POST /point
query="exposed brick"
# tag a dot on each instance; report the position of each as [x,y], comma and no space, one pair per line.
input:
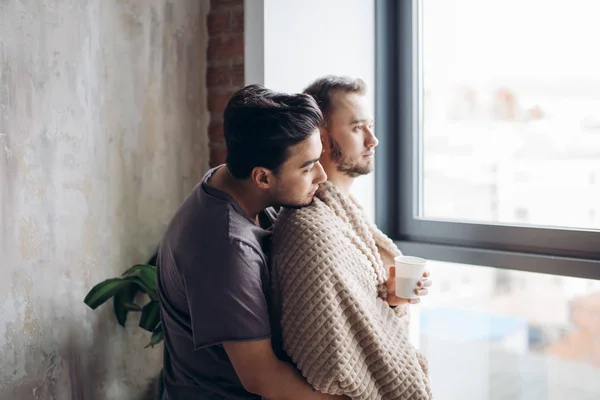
[214,46]
[220,48]
[218,22]
[215,130]
[236,75]
[225,75]
[218,154]
[237,60]
[219,76]
[217,100]
[218,63]
[236,46]
[225,71]
[236,23]
[221,4]
[216,116]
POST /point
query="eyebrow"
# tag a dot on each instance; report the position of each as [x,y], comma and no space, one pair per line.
[358,121]
[307,163]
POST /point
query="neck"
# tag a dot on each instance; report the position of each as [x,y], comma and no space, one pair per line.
[251,201]
[341,180]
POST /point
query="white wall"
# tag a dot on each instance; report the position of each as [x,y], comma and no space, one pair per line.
[102,134]
[301,41]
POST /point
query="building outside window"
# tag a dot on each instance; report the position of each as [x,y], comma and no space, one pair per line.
[495,121]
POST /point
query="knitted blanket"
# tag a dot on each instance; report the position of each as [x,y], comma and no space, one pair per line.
[328,288]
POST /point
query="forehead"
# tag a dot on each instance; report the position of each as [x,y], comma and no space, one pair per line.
[350,105]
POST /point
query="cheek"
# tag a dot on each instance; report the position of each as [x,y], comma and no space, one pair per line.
[299,184]
[354,144]
[359,143]
[307,183]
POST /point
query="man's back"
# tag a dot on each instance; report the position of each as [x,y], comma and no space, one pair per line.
[212,281]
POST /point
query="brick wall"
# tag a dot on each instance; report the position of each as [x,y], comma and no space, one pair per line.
[225,70]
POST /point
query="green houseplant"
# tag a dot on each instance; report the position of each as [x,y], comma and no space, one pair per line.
[140,278]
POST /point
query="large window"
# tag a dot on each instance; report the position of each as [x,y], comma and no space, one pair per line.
[488,115]
[489,118]
[492,333]
[510,123]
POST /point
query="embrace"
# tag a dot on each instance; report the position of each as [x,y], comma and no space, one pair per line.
[272,281]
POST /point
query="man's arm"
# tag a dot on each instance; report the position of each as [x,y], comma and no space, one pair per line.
[262,373]
[229,307]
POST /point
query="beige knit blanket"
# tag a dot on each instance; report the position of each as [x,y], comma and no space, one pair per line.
[329,281]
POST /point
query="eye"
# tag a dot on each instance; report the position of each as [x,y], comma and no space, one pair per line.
[357,128]
[306,171]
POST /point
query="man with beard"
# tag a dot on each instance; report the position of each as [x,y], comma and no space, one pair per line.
[333,279]
[212,276]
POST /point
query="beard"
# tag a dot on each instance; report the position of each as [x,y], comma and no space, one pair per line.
[347,166]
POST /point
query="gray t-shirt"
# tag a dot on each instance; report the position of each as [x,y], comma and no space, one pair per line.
[213,286]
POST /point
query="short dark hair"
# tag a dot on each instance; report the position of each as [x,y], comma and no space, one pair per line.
[323,89]
[260,125]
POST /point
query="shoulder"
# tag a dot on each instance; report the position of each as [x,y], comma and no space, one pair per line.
[312,218]
[211,235]
[199,213]
[227,263]
[308,226]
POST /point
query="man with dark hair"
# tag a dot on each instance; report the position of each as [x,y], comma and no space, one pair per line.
[212,276]
[332,270]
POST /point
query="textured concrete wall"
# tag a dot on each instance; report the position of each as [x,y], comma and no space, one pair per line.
[103,131]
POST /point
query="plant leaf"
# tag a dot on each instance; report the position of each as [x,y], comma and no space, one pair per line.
[123,295]
[132,306]
[104,291]
[138,281]
[148,276]
[152,261]
[157,337]
[138,267]
[150,316]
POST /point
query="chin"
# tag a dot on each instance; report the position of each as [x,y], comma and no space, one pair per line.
[367,169]
[297,206]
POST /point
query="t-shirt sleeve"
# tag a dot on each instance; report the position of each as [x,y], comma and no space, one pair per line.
[226,299]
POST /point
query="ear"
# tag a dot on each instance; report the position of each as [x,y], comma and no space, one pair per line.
[262,177]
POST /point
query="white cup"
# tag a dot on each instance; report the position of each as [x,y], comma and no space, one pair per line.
[409,271]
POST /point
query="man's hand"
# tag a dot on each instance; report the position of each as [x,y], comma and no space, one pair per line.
[420,290]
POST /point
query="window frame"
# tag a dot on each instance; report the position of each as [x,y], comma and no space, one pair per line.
[398,184]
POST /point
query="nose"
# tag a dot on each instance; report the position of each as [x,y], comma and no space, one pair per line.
[321,176]
[371,141]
